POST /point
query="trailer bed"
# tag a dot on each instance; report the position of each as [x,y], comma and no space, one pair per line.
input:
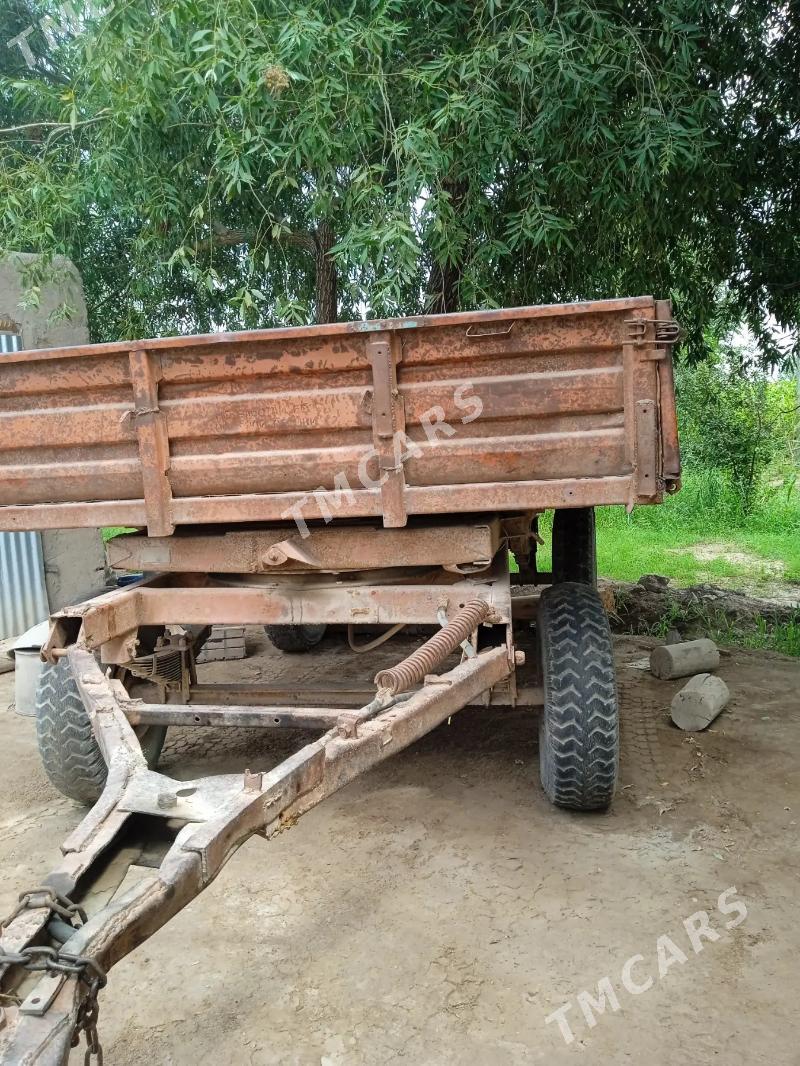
[520,409]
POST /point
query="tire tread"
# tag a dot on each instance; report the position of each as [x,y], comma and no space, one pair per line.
[70,754]
[579,728]
[575,546]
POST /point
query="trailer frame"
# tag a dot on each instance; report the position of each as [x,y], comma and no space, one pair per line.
[232,453]
[58,945]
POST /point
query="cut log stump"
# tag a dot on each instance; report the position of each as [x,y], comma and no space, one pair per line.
[682,660]
[699,702]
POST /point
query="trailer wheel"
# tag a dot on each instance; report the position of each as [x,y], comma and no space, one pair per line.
[296,639]
[579,728]
[69,752]
[574,546]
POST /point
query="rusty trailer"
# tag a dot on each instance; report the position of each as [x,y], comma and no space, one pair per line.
[566,405]
[371,475]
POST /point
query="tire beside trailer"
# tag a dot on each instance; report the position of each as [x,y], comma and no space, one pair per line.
[70,754]
[579,724]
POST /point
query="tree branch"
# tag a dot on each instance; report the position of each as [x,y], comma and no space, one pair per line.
[55,125]
[228,237]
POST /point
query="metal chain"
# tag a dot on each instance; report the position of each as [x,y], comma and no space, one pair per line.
[41,957]
[44,896]
[36,958]
[86,1022]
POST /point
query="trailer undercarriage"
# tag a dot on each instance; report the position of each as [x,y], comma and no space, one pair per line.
[66,934]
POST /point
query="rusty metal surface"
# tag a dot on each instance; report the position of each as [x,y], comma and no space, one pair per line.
[340,548]
[330,696]
[233,428]
[670,448]
[239,716]
[109,622]
[208,818]
[280,716]
[426,659]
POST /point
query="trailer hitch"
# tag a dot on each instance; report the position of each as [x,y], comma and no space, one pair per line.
[100,903]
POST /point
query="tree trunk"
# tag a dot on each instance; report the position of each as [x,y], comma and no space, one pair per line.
[318,242]
[443,286]
[444,280]
[327,305]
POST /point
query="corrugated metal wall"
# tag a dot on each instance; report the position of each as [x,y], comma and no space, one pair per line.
[23,592]
[9,342]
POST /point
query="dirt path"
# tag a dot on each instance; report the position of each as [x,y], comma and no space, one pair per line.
[436,911]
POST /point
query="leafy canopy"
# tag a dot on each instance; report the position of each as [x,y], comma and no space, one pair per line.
[738,423]
[214,164]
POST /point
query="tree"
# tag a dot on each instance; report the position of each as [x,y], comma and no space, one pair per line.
[735,420]
[249,163]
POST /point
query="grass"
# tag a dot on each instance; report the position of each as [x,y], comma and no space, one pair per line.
[783,637]
[700,535]
[113,531]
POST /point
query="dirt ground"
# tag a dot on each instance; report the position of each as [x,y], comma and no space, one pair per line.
[437,910]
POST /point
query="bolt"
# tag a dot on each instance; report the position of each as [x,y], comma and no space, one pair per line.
[166,800]
[519,658]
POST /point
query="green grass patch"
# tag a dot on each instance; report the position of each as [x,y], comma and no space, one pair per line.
[114,531]
[701,534]
[728,557]
[783,637]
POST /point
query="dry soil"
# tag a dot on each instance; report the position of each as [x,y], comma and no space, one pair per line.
[437,910]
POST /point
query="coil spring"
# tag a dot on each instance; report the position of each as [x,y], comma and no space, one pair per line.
[434,651]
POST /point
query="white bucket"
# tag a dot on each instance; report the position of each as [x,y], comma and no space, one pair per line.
[26,679]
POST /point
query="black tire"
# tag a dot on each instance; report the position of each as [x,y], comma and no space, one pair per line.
[575,546]
[579,726]
[69,752]
[296,639]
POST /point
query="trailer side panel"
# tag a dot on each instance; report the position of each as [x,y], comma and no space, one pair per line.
[524,408]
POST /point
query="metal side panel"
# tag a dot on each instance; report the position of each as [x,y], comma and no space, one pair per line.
[515,409]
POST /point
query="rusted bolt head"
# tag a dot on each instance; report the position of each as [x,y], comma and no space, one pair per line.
[519,658]
[273,557]
[166,800]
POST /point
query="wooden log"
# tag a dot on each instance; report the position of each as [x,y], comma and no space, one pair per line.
[699,702]
[681,660]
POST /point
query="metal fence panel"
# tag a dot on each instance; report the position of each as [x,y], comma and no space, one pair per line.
[23,592]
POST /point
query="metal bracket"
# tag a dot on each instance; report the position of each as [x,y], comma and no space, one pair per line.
[475,334]
[153,437]
[39,1001]
[665,331]
[646,440]
[282,552]
[388,420]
